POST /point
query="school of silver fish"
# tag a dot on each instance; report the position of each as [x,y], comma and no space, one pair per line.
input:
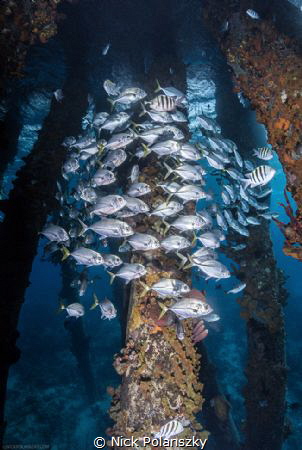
[96,208]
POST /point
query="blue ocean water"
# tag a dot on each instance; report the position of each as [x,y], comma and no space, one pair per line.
[47,402]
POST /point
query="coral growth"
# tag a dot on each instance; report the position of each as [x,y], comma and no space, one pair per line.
[160,372]
[22,24]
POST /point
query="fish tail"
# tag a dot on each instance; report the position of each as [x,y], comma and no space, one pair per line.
[144,111]
[112,276]
[188,266]
[179,100]
[101,149]
[158,86]
[95,302]
[245,183]
[169,170]
[201,149]
[145,286]
[194,238]
[169,198]
[146,149]
[84,228]
[134,124]
[61,306]
[163,308]
[112,103]
[66,253]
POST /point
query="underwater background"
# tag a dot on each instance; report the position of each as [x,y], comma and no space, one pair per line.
[51,400]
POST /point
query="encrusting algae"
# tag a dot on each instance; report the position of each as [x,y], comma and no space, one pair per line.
[160,372]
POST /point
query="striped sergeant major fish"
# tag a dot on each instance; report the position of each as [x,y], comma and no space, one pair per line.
[259,176]
[264,153]
[164,103]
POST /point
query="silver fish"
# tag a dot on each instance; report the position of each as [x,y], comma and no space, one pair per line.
[221,222]
[136,205]
[253,14]
[169,91]
[209,239]
[138,189]
[269,216]
[171,187]
[262,194]
[230,190]
[129,96]
[178,116]
[225,198]
[175,132]
[253,220]
[69,141]
[156,116]
[166,148]
[175,243]
[115,121]
[109,228]
[214,269]
[144,242]
[167,209]
[185,171]
[106,306]
[241,218]
[111,261]
[214,162]
[234,173]
[99,119]
[238,158]
[120,140]
[114,158]
[211,317]
[70,166]
[188,308]
[209,124]
[111,88]
[84,256]
[134,173]
[191,192]
[245,206]
[103,177]
[189,223]
[202,254]
[84,141]
[74,309]
[88,194]
[238,247]
[106,49]
[189,152]
[180,332]
[55,233]
[237,288]
[129,272]
[109,204]
[58,94]
[90,150]
[169,287]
